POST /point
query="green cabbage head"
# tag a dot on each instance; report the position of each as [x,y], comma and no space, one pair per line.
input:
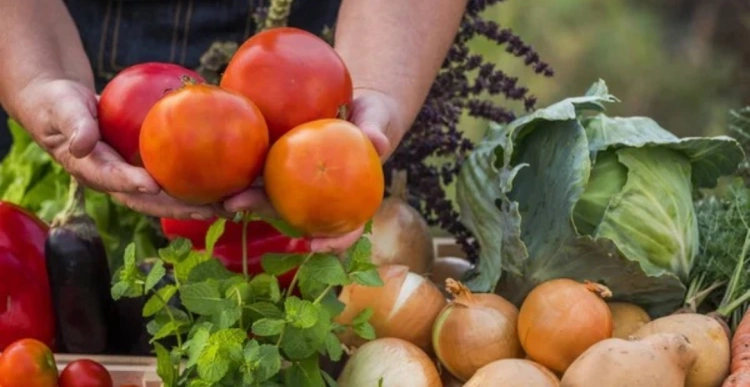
[567,191]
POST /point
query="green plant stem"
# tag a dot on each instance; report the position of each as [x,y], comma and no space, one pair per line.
[171,318]
[727,309]
[281,336]
[323,294]
[239,303]
[245,221]
[296,276]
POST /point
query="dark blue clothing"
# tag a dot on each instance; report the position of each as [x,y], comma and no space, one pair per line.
[120,33]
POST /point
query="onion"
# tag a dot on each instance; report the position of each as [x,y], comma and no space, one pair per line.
[449,380]
[449,267]
[562,318]
[474,330]
[513,373]
[400,235]
[405,307]
[389,362]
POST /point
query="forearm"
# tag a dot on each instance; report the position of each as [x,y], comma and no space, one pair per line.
[397,48]
[39,40]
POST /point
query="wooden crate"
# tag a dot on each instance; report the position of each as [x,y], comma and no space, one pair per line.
[138,371]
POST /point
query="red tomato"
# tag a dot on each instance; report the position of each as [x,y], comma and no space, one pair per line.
[28,363]
[292,75]
[85,373]
[324,177]
[128,97]
[202,143]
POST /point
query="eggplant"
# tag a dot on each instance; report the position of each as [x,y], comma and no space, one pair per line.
[79,278]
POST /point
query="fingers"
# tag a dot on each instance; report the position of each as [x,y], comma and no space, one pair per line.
[104,170]
[337,244]
[74,119]
[164,206]
[253,200]
[372,116]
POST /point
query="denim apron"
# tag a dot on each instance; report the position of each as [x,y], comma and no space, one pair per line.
[120,33]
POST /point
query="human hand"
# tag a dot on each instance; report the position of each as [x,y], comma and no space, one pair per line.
[61,117]
[376,114]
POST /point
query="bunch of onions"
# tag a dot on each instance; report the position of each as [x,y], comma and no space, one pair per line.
[513,373]
[389,362]
[474,330]
[562,318]
[405,307]
[400,235]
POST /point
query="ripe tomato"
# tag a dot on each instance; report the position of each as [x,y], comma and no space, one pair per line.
[324,177]
[28,363]
[202,143]
[127,98]
[85,373]
[292,75]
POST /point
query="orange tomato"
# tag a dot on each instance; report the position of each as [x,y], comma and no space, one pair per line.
[28,363]
[202,143]
[324,177]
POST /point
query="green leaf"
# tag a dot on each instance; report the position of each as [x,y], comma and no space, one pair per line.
[209,269]
[359,256]
[333,347]
[197,342]
[159,300]
[183,269]
[228,317]
[176,251]
[266,309]
[214,233]
[164,366]
[367,278]
[304,373]
[261,362]
[268,327]
[332,304]
[365,330]
[203,298]
[324,268]
[155,275]
[300,313]
[330,381]
[212,364]
[265,287]
[299,343]
[278,264]
[363,316]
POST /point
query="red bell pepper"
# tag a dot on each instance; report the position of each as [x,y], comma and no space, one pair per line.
[25,301]
[262,238]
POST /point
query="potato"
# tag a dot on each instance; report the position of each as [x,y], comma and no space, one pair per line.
[513,373]
[661,360]
[627,318]
[709,339]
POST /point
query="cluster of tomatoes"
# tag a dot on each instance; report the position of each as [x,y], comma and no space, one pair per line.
[30,363]
[279,113]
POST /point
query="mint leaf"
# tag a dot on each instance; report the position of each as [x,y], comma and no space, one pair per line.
[305,373]
[300,313]
[159,300]
[209,269]
[332,304]
[333,347]
[203,298]
[367,278]
[363,316]
[282,226]
[164,366]
[324,268]
[368,227]
[268,327]
[359,255]
[214,233]
[365,331]
[197,342]
[228,317]
[155,275]
[278,264]
[176,251]
[266,287]
[183,269]
[224,348]
[261,363]
[265,309]
[299,343]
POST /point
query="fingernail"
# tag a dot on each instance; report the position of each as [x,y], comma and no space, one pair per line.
[199,216]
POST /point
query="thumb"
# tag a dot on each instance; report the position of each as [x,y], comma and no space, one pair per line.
[74,118]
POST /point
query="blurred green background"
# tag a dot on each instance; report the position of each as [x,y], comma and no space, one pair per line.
[680,62]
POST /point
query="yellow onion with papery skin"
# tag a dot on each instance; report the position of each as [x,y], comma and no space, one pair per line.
[474,330]
[389,362]
[513,373]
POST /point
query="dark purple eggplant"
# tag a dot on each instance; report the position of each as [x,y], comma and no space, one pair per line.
[79,277]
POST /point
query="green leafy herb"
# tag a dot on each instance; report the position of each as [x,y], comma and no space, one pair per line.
[234,329]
